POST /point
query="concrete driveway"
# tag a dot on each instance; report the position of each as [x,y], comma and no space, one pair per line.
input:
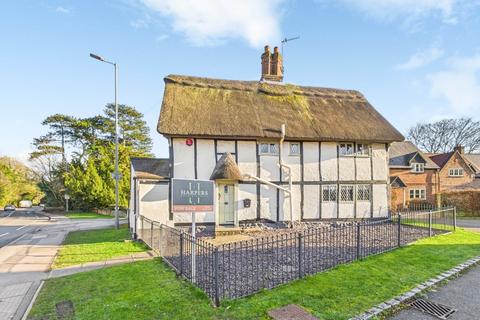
[26,258]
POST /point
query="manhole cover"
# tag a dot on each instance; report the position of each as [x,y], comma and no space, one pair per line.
[435,309]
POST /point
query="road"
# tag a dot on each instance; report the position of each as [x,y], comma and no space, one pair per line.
[14,224]
[29,243]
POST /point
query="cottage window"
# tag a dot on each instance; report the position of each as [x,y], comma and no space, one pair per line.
[329,193]
[418,194]
[418,167]
[269,148]
[363,192]
[346,193]
[346,148]
[362,149]
[294,148]
[455,172]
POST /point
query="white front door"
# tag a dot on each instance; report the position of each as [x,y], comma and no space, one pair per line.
[226,203]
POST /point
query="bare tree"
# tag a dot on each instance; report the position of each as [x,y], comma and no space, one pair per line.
[444,135]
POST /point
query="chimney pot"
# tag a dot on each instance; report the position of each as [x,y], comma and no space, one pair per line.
[272,65]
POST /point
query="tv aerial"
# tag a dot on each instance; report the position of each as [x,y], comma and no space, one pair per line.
[284,42]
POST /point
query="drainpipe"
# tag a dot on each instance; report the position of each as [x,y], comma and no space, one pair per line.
[282,165]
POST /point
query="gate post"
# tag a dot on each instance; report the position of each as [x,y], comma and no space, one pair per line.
[399,230]
[358,240]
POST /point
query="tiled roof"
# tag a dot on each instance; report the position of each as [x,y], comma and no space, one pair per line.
[401,153]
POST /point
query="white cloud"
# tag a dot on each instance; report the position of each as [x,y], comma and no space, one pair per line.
[206,22]
[162,37]
[139,24]
[459,84]
[410,10]
[61,9]
[422,58]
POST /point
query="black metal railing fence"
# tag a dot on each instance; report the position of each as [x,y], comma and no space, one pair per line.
[239,269]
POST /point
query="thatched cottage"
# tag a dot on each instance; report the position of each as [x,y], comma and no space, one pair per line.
[276,151]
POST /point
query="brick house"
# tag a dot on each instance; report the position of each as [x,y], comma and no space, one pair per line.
[413,176]
[456,169]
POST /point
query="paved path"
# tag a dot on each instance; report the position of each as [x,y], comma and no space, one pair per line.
[460,294]
[26,260]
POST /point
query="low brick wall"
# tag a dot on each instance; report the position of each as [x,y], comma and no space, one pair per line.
[467,202]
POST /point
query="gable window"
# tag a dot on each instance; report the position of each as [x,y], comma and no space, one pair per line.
[363,192]
[455,172]
[294,148]
[418,167]
[329,193]
[417,194]
[268,148]
[345,148]
[346,193]
[362,149]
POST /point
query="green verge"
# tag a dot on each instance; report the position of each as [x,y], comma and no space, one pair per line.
[150,289]
[96,245]
[86,215]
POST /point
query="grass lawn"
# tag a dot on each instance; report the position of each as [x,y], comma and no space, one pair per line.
[86,215]
[95,245]
[150,290]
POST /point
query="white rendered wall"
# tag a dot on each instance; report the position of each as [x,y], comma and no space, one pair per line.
[285,204]
[379,158]
[329,210]
[329,161]
[268,200]
[293,161]
[346,210]
[247,159]
[247,191]
[363,168]
[380,202]
[205,158]
[224,146]
[269,168]
[363,209]
[310,161]
[346,166]
[183,156]
[311,198]
[153,201]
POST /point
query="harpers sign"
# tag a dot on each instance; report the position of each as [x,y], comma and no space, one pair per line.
[192,195]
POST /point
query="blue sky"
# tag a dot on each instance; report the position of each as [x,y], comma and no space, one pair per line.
[415,60]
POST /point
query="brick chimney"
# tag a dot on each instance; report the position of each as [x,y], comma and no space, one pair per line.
[272,65]
[460,149]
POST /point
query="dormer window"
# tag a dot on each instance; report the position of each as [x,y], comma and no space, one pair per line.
[418,167]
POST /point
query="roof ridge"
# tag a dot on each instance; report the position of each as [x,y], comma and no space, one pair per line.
[264,87]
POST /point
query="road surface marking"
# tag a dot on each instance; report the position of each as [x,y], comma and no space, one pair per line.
[3,234]
[21,227]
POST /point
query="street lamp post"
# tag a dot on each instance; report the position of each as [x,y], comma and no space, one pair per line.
[117,176]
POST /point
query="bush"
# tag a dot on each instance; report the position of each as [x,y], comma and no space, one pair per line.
[467,202]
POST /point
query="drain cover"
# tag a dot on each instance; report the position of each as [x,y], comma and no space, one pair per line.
[435,309]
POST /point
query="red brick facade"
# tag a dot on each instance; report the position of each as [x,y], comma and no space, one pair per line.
[427,180]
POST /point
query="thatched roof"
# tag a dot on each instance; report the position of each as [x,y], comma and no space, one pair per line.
[226,168]
[250,109]
[150,168]
[402,154]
